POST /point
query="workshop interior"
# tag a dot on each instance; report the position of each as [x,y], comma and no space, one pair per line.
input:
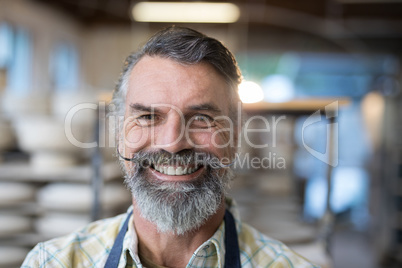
[319,158]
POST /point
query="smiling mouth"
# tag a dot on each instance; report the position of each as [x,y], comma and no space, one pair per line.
[176,170]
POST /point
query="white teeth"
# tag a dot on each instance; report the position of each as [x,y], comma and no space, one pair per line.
[179,171]
[170,170]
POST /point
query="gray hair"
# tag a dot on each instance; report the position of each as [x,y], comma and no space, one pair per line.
[186,46]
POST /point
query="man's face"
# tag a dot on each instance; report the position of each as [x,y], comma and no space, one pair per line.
[174,107]
[173,113]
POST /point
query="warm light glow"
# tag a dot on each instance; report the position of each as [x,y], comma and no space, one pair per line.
[278,88]
[250,92]
[199,12]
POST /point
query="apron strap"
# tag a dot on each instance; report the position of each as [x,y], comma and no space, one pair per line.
[232,256]
[114,256]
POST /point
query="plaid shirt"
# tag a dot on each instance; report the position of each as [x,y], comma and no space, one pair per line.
[90,247]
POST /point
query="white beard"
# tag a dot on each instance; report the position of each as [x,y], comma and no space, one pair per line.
[179,207]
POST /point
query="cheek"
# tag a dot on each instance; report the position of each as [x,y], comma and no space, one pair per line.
[133,136]
[217,142]
[222,138]
[224,141]
[198,139]
[135,139]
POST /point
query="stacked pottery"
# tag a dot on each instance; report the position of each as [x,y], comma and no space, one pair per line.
[13,196]
[61,139]
[68,205]
[15,193]
[14,223]
[11,256]
[18,105]
[58,132]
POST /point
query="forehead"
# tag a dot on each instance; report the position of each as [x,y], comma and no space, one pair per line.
[156,80]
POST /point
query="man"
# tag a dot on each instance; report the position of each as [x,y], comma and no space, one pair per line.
[178,95]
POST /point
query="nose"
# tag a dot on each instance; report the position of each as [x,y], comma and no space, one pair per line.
[170,136]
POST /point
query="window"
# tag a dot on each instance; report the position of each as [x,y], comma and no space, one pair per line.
[64,68]
[6,45]
[15,59]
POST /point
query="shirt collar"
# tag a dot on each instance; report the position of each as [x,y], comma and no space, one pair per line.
[214,247]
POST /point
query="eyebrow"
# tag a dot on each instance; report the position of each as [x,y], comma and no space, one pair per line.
[205,107]
[143,108]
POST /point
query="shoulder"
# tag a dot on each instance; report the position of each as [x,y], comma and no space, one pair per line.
[86,247]
[259,250]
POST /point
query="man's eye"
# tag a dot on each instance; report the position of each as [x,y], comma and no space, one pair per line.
[203,118]
[146,119]
[202,121]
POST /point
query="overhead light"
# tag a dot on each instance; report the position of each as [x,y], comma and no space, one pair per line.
[250,92]
[196,12]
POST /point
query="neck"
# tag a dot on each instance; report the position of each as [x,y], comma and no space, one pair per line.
[169,249]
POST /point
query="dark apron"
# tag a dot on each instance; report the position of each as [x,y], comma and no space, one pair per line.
[232,256]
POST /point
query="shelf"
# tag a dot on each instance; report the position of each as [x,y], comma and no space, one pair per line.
[23,172]
[296,106]
[28,239]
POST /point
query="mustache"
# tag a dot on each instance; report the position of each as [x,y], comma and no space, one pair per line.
[147,159]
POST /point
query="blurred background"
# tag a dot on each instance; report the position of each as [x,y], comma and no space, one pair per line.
[323,96]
